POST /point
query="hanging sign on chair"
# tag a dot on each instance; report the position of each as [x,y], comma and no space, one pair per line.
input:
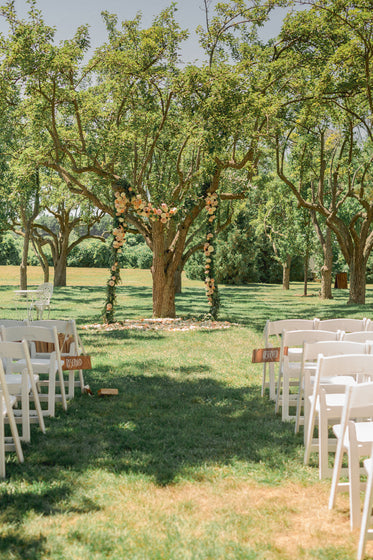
[261,355]
[76,362]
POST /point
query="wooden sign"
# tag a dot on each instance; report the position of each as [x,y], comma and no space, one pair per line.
[262,355]
[76,362]
[107,392]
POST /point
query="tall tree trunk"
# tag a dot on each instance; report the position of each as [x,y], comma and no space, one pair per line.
[42,258]
[306,262]
[23,266]
[357,267]
[286,273]
[327,267]
[60,271]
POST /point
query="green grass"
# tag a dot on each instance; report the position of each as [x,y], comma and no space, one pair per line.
[188,462]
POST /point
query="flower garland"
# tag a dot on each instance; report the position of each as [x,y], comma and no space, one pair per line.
[123,201]
[211,205]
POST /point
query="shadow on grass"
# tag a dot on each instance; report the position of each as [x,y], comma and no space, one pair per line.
[162,427]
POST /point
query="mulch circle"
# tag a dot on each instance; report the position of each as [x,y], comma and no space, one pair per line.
[161,325]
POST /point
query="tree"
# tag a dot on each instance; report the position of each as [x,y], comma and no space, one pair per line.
[329,125]
[157,137]
[71,225]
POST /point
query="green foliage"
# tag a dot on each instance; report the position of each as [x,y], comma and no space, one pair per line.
[10,250]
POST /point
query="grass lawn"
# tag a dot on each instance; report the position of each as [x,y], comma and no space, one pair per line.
[188,462]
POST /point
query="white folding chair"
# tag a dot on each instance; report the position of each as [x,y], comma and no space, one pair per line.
[328,406]
[311,351]
[7,443]
[70,345]
[366,529]
[354,438]
[272,337]
[290,365]
[343,324]
[50,365]
[22,383]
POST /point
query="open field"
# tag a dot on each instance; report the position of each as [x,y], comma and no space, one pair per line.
[188,462]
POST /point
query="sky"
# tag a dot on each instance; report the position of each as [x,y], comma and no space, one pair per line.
[67,15]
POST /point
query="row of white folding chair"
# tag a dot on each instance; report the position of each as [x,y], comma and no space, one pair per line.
[290,365]
[274,329]
[327,401]
[71,340]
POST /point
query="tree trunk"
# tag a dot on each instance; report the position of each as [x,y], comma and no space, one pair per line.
[42,258]
[178,286]
[23,266]
[286,273]
[357,267]
[60,270]
[326,269]
[163,291]
[306,261]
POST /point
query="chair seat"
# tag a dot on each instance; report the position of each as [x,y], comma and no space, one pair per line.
[14,380]
[12,400]
[41,365]
[364,435]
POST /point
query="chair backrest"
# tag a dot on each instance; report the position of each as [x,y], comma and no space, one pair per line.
[29,333]
[277,327]
[343,324]
[359,401]
[67,333]
[46,287]
[298,338]
[10,351]
[358,365]
[357,336]
[311,350]
[12,323]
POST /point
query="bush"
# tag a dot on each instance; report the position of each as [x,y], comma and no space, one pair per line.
[10,250]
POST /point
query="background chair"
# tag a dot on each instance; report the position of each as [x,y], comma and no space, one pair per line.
[43,300]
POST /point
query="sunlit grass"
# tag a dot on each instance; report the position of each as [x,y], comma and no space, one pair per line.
[188,461]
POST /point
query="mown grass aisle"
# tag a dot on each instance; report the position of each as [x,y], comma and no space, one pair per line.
[187,462]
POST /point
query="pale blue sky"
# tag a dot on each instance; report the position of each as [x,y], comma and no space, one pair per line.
[67,15]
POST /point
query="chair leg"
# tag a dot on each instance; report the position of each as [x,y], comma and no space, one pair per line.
[310,430]
[354,489]
[367,512]
[2,438]
[336,472]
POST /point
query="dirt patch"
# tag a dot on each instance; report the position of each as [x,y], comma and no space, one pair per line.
[162,325]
